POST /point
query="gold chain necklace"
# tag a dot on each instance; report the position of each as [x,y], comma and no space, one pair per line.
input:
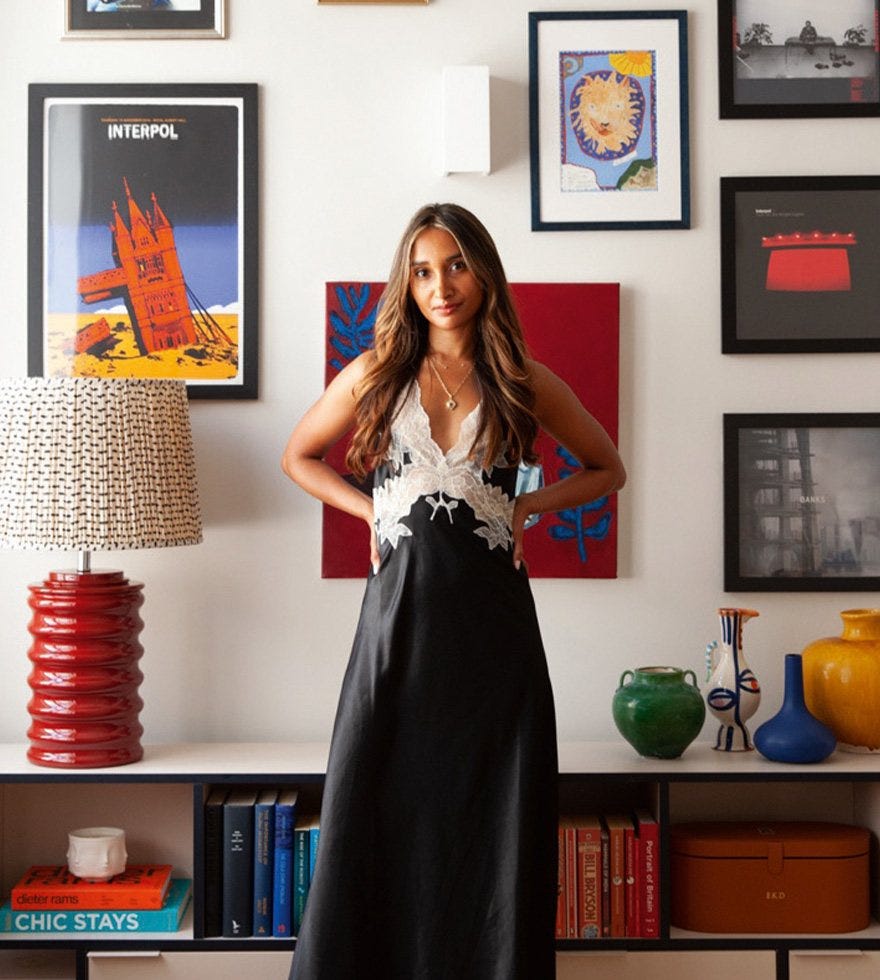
[450,403]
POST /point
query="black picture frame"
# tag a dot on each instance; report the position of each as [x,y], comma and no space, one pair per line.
[131,19]
[802,502]
[180,163]
[800,264]
[765,70]
[635,175]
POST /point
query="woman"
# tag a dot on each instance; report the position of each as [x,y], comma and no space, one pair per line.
[438,827]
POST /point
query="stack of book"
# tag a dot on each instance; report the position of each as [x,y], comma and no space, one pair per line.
[49,899]
[609,876]
[260,856]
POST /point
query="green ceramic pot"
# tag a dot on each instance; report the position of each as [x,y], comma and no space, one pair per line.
[659,710]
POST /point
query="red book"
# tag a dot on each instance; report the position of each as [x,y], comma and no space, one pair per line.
[589,878]
[630,840]
[140,886]
[570,889]
[560,884]
[649,869]
[617,824]
[606,883]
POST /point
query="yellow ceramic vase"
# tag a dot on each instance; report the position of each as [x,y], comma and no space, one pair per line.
[842,681]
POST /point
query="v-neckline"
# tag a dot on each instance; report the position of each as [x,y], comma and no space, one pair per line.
[417,393]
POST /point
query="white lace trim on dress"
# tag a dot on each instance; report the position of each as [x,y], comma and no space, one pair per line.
[422,469]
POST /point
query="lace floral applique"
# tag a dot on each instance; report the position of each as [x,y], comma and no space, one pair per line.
[421,469]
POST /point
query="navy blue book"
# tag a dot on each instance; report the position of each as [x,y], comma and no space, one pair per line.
[282,891]
[264,860]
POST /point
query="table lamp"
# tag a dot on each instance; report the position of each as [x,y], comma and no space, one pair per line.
[89,464]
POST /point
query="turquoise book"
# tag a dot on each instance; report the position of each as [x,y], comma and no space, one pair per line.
[282,883]
[115,921]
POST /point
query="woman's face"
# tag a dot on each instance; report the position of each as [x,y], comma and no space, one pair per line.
[444,288]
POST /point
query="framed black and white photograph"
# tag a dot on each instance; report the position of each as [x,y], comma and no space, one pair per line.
[801,502]
[608,115]
[800,264]
[143,239]
[798,58]
[131,19]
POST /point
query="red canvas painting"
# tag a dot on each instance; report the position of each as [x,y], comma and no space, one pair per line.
[570,327]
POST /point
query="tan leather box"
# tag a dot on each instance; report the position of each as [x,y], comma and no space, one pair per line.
[769,877]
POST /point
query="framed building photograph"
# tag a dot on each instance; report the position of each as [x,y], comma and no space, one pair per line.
[142,234]
[608,120]
[801,503]
[800,264]
[144,19]
[798,58]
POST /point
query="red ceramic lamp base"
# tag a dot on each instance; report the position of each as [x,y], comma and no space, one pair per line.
[85,676]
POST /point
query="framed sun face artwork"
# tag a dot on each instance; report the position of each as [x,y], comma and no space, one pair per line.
[154,19]
[608,114]
[798,58]
[570,327]
[142,246]
[802,502]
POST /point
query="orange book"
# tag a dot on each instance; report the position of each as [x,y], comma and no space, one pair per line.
[589,878]
[617,824]
[140,886]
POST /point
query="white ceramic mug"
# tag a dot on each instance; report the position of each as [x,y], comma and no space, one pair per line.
[96,853]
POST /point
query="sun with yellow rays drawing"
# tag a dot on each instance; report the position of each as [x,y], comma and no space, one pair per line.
[639,63]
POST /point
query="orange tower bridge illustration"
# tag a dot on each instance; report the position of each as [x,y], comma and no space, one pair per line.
[164,311]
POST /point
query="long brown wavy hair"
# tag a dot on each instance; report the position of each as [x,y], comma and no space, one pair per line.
[507,420]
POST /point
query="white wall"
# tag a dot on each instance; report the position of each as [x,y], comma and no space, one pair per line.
[244,640]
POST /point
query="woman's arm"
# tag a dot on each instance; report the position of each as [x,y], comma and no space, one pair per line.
[323,425]
[562,416]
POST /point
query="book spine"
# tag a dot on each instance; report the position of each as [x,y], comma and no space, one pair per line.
[649,833]
[617,869]
[560,883]
[282,886]
[264,862]
[637,888]
[314,838]
[300,875]
[214,866]
[589,877]
[606,884]
[570,883]
[238,863]
[631,927]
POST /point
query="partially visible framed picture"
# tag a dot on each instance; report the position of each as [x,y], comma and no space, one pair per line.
[142,234]
[608,120]
[144,18]
[801,503]
[798,58]
[800,264]
[570,327]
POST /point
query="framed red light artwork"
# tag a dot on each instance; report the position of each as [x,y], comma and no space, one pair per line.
[800,264]
[570,327]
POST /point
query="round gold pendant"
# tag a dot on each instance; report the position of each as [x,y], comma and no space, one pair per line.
[451,404]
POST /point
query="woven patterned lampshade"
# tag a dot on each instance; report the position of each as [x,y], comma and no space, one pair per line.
[92,464]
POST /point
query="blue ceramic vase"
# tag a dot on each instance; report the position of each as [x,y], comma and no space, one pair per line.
[793,734]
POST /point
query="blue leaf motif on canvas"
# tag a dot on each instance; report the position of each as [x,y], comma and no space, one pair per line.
[353,324]
[579,523]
